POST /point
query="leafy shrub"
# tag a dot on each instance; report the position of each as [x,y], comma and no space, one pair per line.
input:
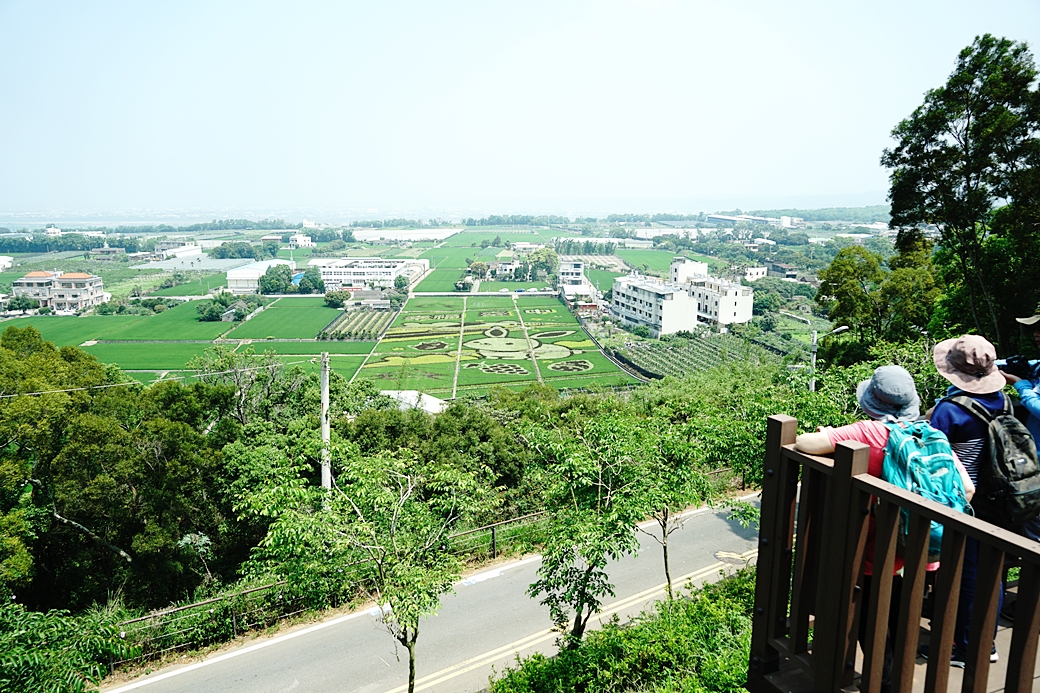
[55,652]
[700,643]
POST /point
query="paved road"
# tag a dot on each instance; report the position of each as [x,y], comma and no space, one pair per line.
[483,625]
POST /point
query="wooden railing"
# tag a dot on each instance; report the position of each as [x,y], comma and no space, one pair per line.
[815,517]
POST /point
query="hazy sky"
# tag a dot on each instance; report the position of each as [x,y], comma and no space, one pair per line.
[444,107]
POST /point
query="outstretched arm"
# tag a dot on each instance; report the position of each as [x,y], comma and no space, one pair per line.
[818,443]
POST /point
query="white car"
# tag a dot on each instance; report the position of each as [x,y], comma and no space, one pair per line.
[503,291]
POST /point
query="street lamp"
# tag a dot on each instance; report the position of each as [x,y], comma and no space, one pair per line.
[812,358]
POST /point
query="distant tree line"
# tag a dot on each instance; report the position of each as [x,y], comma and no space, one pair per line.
[517,220]
[644,218]
[576,246]
[857,215]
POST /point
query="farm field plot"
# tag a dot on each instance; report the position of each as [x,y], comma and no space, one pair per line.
[411,347]
[657,261]
[195,287]
[312,348]
[465,239]
[441,280]
[69,331]
[344,365]
[180,322]
[493,287]
[288,318]
[359,324]
[426,304]
[411,374]
[147,356]
[546,314]
[602,279]
[489,302]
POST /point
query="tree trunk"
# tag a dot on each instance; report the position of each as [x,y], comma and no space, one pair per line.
[664,548]
[410,644]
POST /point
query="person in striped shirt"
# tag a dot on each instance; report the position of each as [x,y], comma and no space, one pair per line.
[969,363]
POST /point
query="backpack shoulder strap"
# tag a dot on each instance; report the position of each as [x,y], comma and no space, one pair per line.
[974,408]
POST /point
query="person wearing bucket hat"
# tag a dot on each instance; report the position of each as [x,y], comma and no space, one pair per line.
[888,396]
[969,364]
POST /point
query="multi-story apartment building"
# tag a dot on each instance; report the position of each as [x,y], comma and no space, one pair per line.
[684,269]
[664,308]
[69,291]
[572,272]
[721,302]
[364,272]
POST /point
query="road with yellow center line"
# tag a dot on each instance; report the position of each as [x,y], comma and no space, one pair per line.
[483,626]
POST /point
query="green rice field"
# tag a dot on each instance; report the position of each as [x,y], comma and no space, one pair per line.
[442,345]
[441,280]
[287,318]
[195,287]
[602,279]
[491,287]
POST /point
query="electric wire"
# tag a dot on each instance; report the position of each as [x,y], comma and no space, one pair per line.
[152,382]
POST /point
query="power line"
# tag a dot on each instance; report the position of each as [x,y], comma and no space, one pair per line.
[152,382]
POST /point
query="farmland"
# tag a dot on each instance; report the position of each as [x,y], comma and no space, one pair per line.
[505,340]
[288,318]
[441,280]
[489,287]
[359,324]
[195,287]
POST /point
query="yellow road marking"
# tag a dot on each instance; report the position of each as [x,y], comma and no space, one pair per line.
[490,656]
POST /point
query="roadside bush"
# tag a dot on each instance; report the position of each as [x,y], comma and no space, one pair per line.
[698,643]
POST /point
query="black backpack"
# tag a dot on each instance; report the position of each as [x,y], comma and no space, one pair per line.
[1009,470]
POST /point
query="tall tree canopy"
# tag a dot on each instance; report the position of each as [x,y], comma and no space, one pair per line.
[973,144]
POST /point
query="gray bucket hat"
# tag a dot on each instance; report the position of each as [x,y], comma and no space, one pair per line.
[889,395]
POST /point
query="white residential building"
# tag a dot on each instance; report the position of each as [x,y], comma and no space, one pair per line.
[572,272]
[664,308]
[753,273]
[362,272]
[298,240]
[721,302]
[67,291]
[246,279]
[684,269]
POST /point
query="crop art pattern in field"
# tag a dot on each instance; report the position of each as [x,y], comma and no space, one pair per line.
[487,340]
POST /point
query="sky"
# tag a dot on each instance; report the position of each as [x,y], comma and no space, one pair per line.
[349,109]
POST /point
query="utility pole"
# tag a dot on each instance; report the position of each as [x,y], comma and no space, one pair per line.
[326,434]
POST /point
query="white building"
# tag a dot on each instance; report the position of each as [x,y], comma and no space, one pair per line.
[721,302]
[664,308]
[683,269]
[52,231]
[6,262]
[753,273]
[362,272]
[67,291]
[276,237]
[298,240]
[572,272]
[168,249]
[246,279]
[525,247]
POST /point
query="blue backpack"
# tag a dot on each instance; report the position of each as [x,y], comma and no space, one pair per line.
[918,458]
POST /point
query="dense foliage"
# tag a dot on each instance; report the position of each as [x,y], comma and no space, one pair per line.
[698,643]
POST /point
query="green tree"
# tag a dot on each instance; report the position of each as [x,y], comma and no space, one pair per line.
[389,514]
[972,143]
[479,269]
[23,303]
[401,282]
[849,291]
[336,299]
[276,280]
[589,482]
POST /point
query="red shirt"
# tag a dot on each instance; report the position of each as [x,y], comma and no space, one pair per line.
[874,434]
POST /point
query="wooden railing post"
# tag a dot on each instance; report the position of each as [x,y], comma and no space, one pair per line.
[845,516]
[773,576]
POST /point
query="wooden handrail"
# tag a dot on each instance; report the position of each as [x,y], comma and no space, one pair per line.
[814,551]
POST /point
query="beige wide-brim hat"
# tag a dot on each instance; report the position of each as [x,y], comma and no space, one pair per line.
[969,363]
[1033,319]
